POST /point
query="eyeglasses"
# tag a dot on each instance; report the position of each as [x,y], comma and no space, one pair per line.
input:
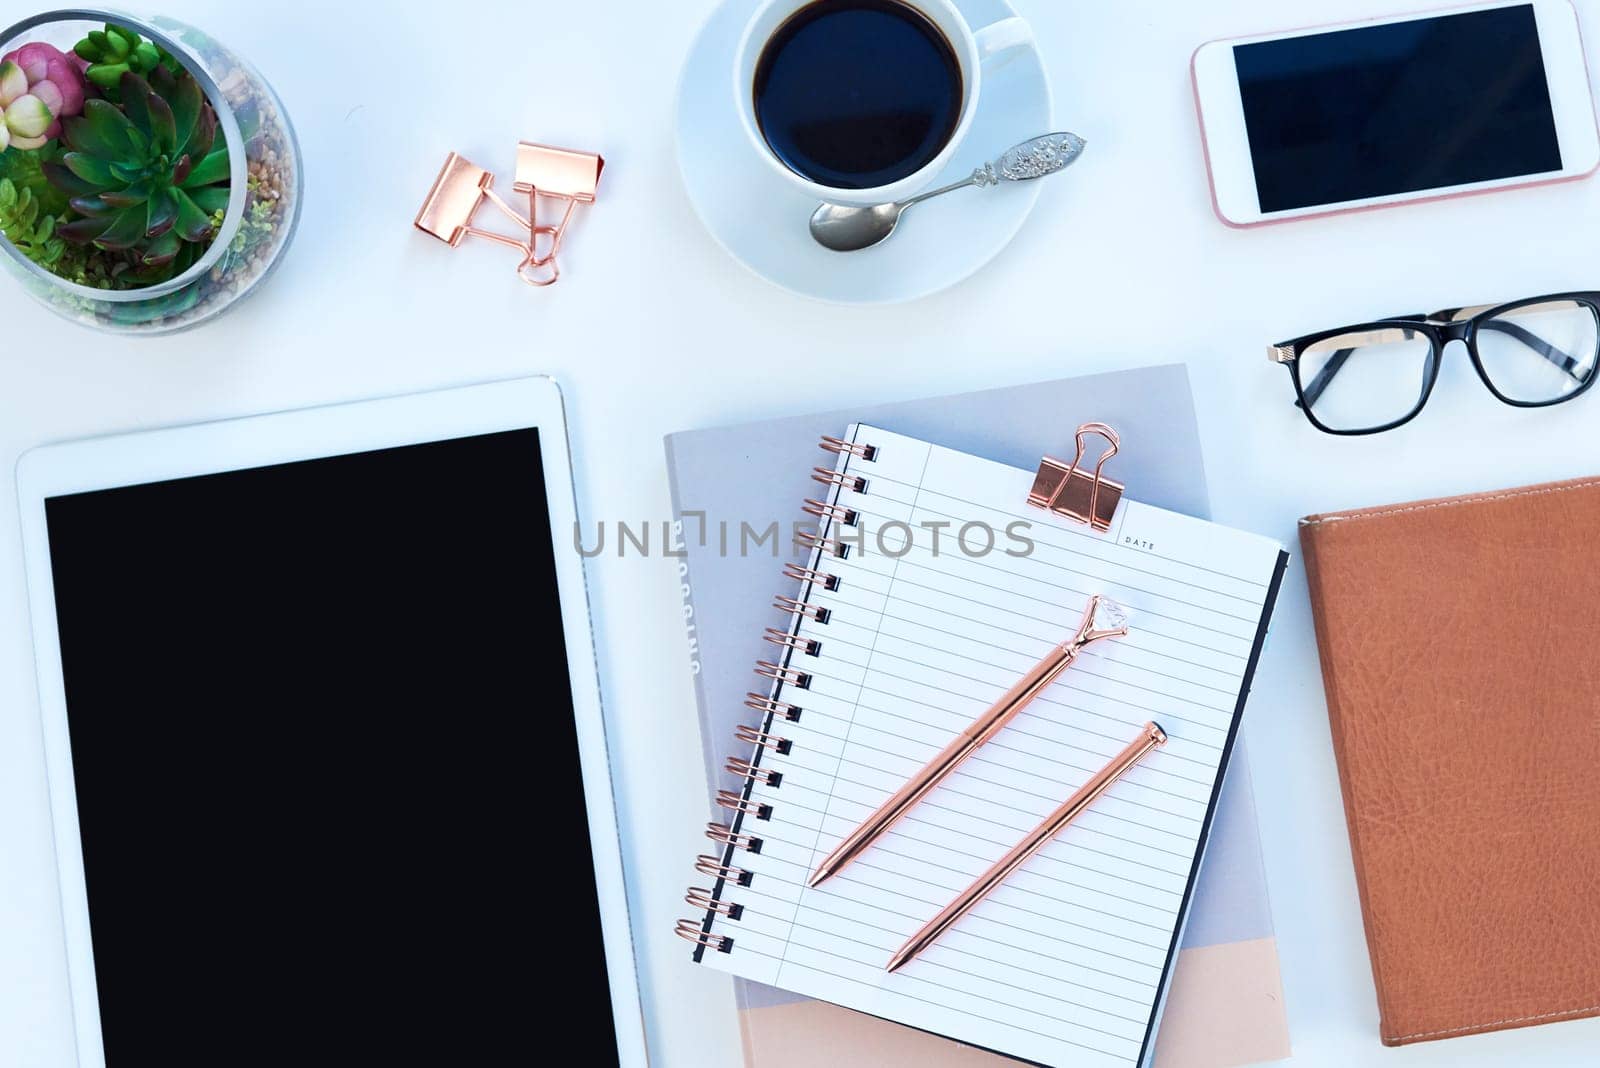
[1376,376]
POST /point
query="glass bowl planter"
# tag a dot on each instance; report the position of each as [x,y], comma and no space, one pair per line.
[264,188]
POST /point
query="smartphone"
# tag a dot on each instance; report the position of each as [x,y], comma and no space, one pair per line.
[1395,110]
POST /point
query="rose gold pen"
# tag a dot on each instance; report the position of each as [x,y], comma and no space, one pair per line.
[1150,738]
[1103,618]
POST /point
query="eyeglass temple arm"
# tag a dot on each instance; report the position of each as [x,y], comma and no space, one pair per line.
[1562,360]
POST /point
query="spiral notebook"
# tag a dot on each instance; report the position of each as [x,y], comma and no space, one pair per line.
[898,643]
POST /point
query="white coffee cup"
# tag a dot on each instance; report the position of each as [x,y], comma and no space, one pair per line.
[974,49]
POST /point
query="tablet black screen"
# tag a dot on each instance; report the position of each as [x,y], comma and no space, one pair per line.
[325,761]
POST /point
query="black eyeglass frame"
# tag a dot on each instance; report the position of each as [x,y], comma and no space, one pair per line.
[1440,328]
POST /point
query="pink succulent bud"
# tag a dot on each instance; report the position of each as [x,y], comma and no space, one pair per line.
[45,76]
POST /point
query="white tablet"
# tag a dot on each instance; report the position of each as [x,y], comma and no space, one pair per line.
[326,757]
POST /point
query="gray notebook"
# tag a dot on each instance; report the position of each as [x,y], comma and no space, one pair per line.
[737,492]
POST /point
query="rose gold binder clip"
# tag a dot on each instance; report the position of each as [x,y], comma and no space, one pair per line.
[462,188]
[1068,490]
[560,174]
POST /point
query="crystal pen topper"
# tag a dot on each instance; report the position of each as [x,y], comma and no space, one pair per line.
[1102,618]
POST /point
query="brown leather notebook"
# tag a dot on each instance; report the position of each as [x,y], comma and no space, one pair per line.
[1460,644]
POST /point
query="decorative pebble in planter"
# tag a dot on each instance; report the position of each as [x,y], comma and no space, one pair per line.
[149,177]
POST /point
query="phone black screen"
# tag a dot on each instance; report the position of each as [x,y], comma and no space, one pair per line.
[326,764]
[1410,106]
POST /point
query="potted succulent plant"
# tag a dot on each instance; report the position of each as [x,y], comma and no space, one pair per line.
[147,179]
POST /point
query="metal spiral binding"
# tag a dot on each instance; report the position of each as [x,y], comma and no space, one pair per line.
[866,452]
[731,836]
[787,675]
[808,646]
[768,707]
[747,770]
[746,733]
[816,578]
[704,902]
[743,805]
[706,864]
[822,510]
[829,477]
[723,834]
[821,545]
[800,608]
[692,930]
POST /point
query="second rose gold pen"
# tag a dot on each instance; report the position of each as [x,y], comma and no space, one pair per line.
[1103,618]
[1150,738]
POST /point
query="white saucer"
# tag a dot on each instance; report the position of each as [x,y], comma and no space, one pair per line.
[761,221]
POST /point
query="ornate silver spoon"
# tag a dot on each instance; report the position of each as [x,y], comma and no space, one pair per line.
[845,228]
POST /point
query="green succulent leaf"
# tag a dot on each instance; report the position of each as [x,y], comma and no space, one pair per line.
[128,173]
[163,81]
[109,125]
[162,250]
[186,101]
[107,75]
[64,180]
[87,50]
[193,224]
[137,193]
[145,56]
[94,206]
[211,199]
[97,139]
[83,231]
[120,41]
[17,209]
[97,172]
[163,125]
[205,134]
[163,214]
[136,94]
[100,43]
[125,231]
[214,168]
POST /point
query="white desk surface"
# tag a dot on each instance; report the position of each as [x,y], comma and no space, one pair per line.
[654,329]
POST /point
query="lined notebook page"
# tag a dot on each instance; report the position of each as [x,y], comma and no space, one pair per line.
[1066,962]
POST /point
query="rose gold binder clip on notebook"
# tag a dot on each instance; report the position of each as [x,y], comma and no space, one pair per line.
[1068,490]
[462,187]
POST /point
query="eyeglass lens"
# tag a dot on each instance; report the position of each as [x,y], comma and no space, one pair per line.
[1366,378]
[1539,353]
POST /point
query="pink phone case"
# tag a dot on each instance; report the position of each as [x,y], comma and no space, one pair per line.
[1205,146]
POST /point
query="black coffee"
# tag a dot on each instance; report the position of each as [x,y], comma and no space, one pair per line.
[857,93]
